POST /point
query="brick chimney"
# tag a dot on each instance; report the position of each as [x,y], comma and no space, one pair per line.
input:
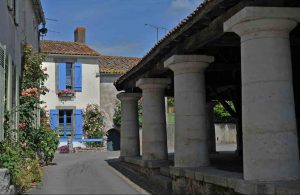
[79,35]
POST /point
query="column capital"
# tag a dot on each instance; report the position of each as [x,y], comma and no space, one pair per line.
[279,20]
[188,63]
[151,83]
[128,96]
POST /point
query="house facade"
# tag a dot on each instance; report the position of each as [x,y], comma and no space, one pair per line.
[19,26]
[79,76]
[73,83]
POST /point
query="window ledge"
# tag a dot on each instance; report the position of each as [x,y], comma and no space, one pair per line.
[65,93]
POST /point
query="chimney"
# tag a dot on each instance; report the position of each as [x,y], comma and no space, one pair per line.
[79,35]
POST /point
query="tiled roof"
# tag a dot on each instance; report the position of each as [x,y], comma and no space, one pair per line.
[116,64]
[169,35]
[67,48]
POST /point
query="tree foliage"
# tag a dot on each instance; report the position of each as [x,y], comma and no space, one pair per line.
[220,113]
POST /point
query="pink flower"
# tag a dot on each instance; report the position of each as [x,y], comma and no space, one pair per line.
[21,125]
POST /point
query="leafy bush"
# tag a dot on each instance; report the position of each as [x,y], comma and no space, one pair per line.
[23,165]
[93,124]
[18,152]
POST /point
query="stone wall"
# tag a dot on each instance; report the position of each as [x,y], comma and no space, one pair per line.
[5,187]
[108,98]
[225,133]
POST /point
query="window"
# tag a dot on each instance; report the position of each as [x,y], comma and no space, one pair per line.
[69,76]
[65,123]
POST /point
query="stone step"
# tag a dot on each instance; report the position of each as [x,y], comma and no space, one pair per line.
[162,182]
[155,184]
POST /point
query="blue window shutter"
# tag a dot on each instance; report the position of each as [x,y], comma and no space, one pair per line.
[78,126]
[78,77]
[62,73]
[53,119]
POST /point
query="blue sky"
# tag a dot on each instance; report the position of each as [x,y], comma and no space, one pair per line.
[115,27]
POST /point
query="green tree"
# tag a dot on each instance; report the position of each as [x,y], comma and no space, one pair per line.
[221,115]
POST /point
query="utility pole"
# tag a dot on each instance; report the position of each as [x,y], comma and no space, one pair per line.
[157,29]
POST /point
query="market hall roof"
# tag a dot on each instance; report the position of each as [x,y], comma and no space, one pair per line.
[67,48]
[116,64]
[200,33]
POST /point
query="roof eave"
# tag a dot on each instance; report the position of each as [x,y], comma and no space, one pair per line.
[72,56]
[39,12]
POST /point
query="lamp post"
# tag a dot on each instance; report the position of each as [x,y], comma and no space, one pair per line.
[157,29]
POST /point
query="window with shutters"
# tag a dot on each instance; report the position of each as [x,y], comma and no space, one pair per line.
[67,122]
[69,78]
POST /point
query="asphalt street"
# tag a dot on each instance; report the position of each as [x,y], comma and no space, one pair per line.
[83,173]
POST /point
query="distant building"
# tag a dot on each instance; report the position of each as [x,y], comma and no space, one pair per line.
[78,76]
[111,68]
[19,26]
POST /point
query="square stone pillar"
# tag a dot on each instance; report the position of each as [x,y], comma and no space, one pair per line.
[191,140]
[130,140]
[270,145]
[154,137]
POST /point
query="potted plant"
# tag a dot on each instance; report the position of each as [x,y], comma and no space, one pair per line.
[65,93]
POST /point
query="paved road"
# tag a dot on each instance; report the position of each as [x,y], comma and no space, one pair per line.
[83,173]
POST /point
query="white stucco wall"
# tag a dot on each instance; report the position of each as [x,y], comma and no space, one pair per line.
[90,86]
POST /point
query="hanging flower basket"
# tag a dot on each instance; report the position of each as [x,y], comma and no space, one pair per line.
[65,93]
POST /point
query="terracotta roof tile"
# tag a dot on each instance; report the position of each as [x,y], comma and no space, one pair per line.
[116,64]
[67,48]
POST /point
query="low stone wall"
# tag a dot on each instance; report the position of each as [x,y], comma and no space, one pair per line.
[225,133]
[5,187]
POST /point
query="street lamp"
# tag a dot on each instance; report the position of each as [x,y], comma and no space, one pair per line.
[157,29]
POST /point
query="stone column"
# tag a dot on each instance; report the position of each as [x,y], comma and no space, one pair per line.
[191,140]
[268,112]
[210,122]
[130,141]
[154,137]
